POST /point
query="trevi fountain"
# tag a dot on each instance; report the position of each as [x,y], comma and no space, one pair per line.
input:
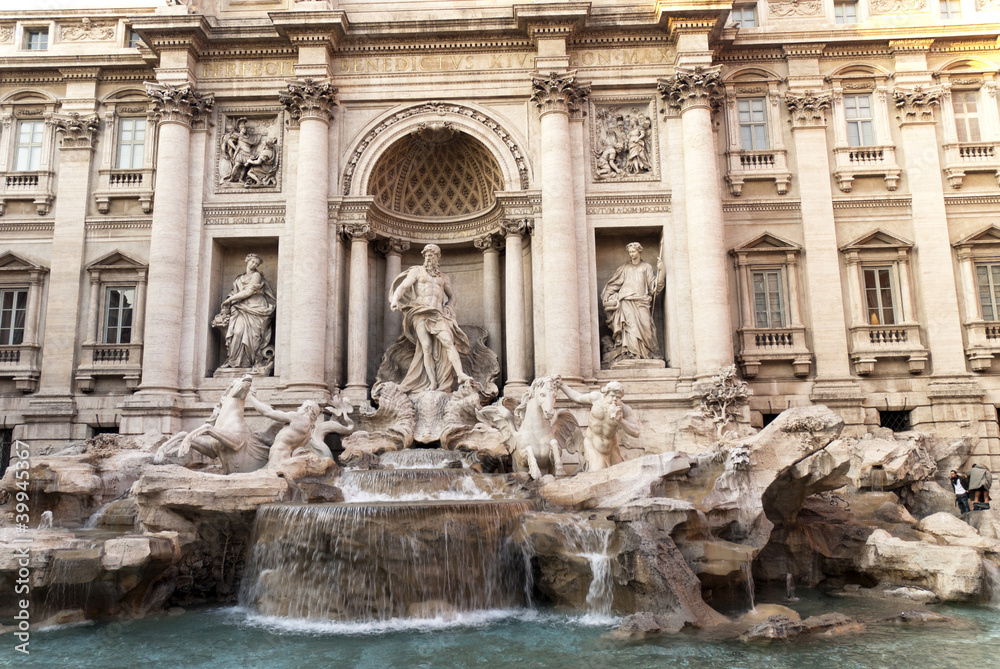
[443,525]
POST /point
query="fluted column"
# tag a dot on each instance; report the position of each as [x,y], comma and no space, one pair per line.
[692,90]
[491,293]
[174,109]
[555,95]
[359,234]
[310,103]
[517,364]
[934,266]
[822,266]
[392,249]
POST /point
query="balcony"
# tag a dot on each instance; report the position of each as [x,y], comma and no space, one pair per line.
[869,343]
[960,159]
[117,360]
[761,165]
[124,184]
[759,345]
[35,186]
[22,363]
[983,342]
[865,161]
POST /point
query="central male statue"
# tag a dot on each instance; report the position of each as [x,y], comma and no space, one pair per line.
[423,294]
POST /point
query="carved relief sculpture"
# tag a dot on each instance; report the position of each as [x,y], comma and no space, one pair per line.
[628,303]
[249,156]
[87,31]
[623,141]
[423,294]
[894,6]
[790,8]
[608,415]
[246,318]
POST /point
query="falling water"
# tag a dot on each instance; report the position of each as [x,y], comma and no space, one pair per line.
[878,478]
[407,485]
[790,588]
[46,521]
[746,569]
[991,582]
[381,561]
[118,515]
[421,458]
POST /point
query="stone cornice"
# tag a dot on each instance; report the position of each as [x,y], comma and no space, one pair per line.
[691,87]
[178,104]
[309,99]
[175,32]
[557,92]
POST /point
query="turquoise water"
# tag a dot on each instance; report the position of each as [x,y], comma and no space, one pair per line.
[232,638]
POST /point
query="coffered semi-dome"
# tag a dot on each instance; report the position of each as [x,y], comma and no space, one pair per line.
[436,172]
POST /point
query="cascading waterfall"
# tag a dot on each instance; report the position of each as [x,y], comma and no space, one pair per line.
[420,458]
[376,561]
[991,581]
[746,570]
[387,485]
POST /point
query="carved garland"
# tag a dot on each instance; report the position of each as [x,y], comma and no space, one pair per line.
[439,108]
[795,8]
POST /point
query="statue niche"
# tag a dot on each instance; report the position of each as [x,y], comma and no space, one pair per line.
[628,300]
[249,154]
[245,322]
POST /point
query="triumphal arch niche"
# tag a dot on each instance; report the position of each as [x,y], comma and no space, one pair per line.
[454,176]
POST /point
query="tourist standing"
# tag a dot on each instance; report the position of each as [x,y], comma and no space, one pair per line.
[980,480]
[961,494]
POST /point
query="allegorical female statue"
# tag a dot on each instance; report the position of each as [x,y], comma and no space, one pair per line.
[628,303]
[246,317]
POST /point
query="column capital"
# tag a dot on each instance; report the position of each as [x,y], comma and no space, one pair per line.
[557,92]
[357,232]
[77,132]
[392,245]
[177,104]
[693,87]
[916,105]
[309,99]
[487,243]
[517,227]
[808,109]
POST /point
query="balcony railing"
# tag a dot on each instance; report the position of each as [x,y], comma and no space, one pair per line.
[759,165]
[869,343]
[21,363]
[35,186]
[123,185]
[759,345]
[865,161]
[960,159]
[982,343]
[113,360]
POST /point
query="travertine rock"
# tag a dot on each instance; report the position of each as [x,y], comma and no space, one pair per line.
[887,464]
[616,486]
[954,573]
[951,531]
[643,624]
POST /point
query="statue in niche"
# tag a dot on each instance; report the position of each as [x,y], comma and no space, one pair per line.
[624,143]
[628,303]
[423,294]
[246,318]
[252,156]
[608,414]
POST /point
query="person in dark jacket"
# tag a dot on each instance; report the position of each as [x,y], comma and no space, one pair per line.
[980,481]
[961,494]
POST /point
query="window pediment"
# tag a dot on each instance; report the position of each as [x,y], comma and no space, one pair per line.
[878,240]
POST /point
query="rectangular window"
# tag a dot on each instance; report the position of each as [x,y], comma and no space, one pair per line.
[133,41]
[951,9]
[988,280]
[966,115]
[846,12]
[860,128]
[6,441]
[28,147]
[879,296]
[745,17]
[36,39]
[768,302]
[897,421]
[118,307]
[13,312]
[131,143]
[753,123]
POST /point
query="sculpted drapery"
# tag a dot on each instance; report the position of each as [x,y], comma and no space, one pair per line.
[251,310]
[628,303]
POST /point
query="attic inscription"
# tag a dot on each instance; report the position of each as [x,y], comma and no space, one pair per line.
[236,69]
[435,63]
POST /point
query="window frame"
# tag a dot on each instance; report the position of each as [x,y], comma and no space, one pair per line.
[879,311]
[106,309]
[742,9]
[7,332]
[843,3]
[860,121]
[36,124]
[957,93]
[994,287]
[945,12]
[120,126]
[782,294]
[753,124]
[36,30]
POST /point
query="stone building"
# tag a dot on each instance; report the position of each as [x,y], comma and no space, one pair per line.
[819,177]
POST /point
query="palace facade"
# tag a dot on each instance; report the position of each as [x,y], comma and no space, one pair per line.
[819,178]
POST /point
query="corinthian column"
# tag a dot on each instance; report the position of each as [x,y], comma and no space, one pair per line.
[935,267]
[491,292]
[174,109]
[392,249]
[310,103]
[555,95]
[517,365]
[359,234]
[692,91]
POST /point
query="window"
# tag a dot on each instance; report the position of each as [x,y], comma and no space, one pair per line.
[897,421]
[767,418]
[846,12]
[951,9]
[133,40]
[966,115]
[6,441]
[13,312]
[28,147]
[860,128]
[878,296]
[768,301]
[753,123]
[36,39]
[119,303]
[131,143]
[988,281]
[745,17]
